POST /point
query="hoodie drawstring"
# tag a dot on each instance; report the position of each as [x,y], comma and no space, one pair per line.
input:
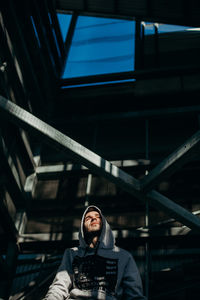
[97,248]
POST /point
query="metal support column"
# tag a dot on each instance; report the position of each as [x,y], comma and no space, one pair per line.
[147,248]
[89,180]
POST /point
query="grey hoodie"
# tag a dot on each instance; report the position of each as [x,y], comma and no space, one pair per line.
[104,273]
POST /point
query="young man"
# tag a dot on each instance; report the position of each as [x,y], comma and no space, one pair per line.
[97,269]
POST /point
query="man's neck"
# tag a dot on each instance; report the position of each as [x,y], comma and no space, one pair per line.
[93,242]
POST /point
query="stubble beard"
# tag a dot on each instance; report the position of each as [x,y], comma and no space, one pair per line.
[90,235]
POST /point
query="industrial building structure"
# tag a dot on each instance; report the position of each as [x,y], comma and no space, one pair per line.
[123,136]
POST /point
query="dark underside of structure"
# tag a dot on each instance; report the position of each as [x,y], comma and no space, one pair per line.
[128,142]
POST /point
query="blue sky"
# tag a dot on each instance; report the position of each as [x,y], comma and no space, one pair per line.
[103,45]
[99,46]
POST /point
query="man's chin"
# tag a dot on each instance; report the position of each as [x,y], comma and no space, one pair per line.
[94,229]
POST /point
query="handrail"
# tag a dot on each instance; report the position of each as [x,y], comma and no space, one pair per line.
[34,288]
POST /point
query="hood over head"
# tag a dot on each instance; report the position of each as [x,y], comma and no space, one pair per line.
[106,239]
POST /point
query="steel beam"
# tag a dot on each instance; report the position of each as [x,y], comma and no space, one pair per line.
[12,181]
[152,73]
[20,54]
[93,161]
[54,171]
[188,242]
[172,163]
[154,11]
[27,147]
[131,115]
[11,164]
[124,233]
[70,33]
[68,146]
[56,27]
[46,16]
[172,209]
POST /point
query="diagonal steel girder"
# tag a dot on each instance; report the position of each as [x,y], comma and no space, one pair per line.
[94,162]
[188,150]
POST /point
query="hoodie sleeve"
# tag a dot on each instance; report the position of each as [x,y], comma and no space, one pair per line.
[59,289]
[132,283]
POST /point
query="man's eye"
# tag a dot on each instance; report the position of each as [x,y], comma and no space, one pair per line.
[90,218]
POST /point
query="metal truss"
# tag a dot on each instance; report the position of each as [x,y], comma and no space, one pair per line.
[142,190]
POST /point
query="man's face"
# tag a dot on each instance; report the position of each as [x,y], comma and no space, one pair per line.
[92,221]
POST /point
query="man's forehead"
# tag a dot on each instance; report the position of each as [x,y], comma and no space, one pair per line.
[92,212]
